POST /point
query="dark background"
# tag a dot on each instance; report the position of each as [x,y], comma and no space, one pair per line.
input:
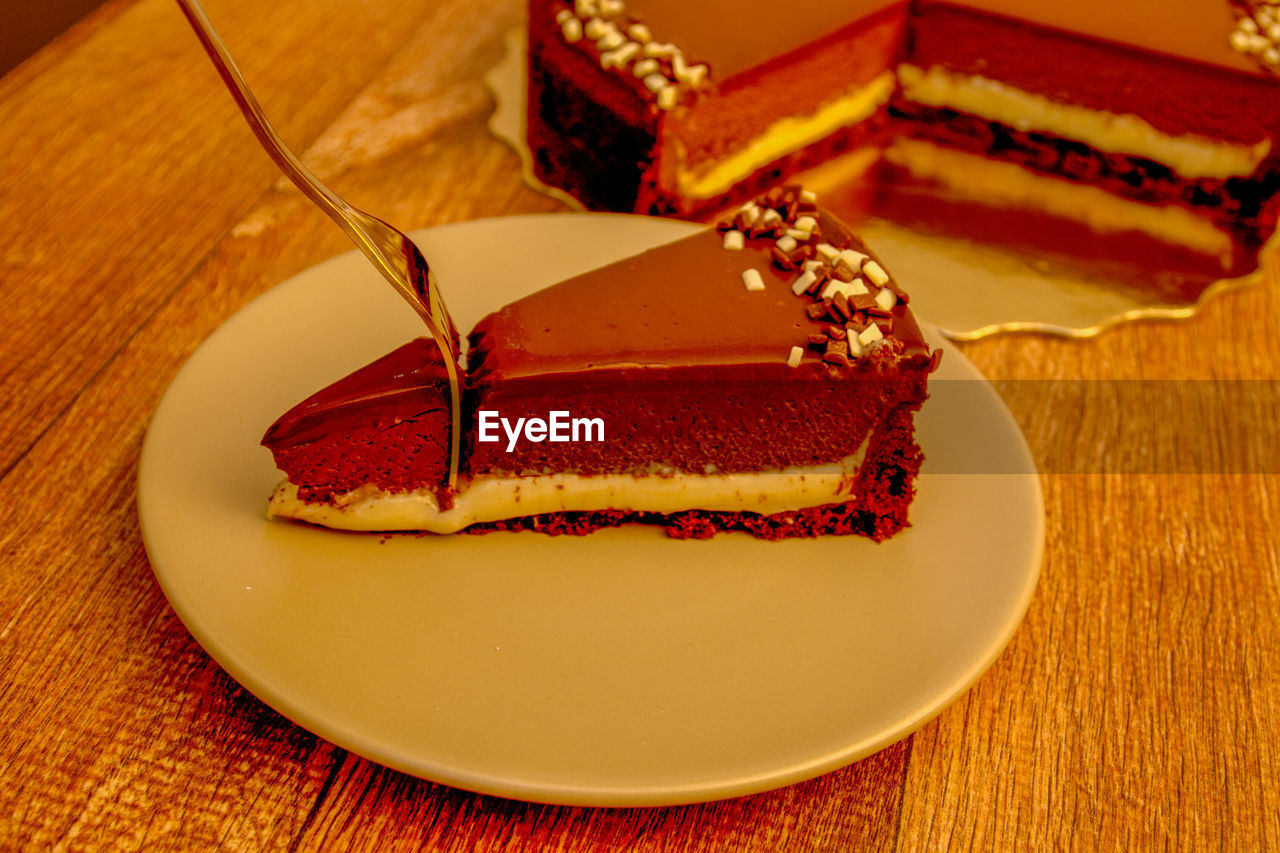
[27,25]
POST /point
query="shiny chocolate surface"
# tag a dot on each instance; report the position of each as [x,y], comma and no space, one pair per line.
[734,36]
[683,304]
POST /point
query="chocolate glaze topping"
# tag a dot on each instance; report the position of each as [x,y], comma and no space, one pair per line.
[679,305]
[1197,30]
[692,365]
[403,383]
[733,35]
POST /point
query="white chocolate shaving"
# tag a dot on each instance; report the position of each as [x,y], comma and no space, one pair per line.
[659,48]
[611,40]
[620,57]
[806,280]
[691,74]
[876,273]
[886,299]
[828,252]
[655,82]
[854,258]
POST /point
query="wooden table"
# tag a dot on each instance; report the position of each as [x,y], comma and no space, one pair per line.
[1136,705]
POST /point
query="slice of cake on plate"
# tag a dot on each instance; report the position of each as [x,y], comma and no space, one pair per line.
[759,376]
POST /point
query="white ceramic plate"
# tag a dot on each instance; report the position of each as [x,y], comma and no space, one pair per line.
[621,668]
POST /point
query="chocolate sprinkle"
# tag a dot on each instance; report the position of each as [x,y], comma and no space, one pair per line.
[775,214]
[840,303]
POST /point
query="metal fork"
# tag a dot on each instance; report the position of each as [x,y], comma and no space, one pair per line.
[394,254]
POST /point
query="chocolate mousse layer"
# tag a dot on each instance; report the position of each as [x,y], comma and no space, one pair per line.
[386,424]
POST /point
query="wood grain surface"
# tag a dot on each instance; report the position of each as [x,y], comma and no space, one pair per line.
[1135,707]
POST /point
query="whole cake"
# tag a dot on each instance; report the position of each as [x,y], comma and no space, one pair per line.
[760,376]
[656,106]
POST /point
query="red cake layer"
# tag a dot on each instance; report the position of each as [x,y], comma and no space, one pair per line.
[386,424]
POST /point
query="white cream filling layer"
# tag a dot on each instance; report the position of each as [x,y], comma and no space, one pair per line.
[1008,184]
[496,498]
[1190,156]
[784,137]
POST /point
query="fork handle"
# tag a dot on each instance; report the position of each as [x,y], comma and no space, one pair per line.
[338,210]
[354,223]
